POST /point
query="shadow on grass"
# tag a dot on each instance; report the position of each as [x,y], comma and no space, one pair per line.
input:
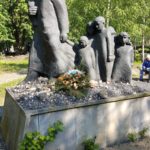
[13,67]
[137,79]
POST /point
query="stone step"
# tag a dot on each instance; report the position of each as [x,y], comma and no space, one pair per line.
[2,144]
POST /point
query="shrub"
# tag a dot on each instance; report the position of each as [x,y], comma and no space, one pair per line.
[143,132]
[133,136]
[136,135]
[89,144]
[138,57]
[36,141]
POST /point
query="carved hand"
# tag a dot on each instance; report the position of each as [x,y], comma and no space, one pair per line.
[32,8]
[110,58]
[63,37]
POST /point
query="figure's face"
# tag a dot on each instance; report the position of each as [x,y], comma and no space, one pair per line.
[83,43]
[99,25]
[126,39]
[148,58]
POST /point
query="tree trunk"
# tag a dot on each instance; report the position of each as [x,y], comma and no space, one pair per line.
[108,13]
[135,48]
[143,47]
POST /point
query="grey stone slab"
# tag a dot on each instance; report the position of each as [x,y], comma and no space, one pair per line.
[1,112]
[66,139]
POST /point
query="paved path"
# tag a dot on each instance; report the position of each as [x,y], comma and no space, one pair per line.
[7,77]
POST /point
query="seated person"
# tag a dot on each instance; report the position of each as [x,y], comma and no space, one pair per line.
[145,67]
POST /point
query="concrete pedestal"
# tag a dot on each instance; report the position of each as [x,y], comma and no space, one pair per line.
[110,120]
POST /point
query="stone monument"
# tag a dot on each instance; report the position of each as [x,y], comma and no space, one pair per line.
[105,56]
[101,44]
[50,54]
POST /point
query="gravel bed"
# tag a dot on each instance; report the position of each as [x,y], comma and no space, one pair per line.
[41,93]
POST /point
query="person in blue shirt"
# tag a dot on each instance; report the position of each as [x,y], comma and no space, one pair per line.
[145,67]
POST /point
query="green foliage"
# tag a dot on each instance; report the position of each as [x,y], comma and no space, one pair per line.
[81,12]
[36,141]
[132,16]
[143,132]
[15,25]
[89,144]
[74,84]
[138,57]
[4,33]
[132,137]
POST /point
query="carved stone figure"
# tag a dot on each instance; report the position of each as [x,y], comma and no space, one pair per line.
[50,54]
[87,56]
[35,68]
[90,29]
[111,54]
[122,71]
[102,43]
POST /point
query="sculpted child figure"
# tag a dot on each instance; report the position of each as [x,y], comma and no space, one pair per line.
[87,56]
[122,71]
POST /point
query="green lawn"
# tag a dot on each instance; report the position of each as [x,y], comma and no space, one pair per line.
[13,64]
[137,64]
[6,85]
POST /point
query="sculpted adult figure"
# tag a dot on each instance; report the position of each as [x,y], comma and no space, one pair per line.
[90,29]
[35,57]
[122,71]
[111,53]
[54,55]
[102,44]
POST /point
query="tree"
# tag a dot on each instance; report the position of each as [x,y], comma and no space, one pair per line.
[5,34]
[17,25]
[132,16]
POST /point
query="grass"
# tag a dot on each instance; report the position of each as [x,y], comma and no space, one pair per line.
[6,85]
[136,67]
[13,64]
[10,65]
[137,64]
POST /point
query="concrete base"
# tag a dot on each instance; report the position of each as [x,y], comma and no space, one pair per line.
[109,120]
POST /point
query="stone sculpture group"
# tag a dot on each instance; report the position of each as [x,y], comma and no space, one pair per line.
[105,55]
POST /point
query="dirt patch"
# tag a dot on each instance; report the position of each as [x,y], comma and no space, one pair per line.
[7,77]
[143,144]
